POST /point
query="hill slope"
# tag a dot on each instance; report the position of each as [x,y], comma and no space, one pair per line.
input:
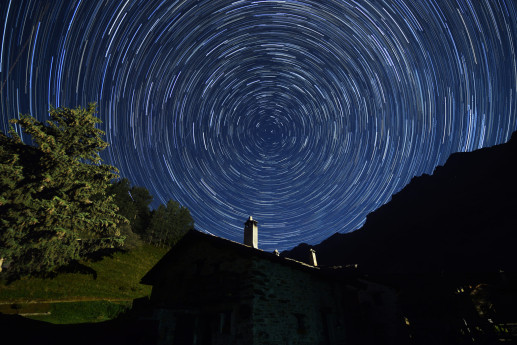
[99,292]
[463,218]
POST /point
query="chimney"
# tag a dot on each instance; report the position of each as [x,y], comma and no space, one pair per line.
[251,233]
[312,258]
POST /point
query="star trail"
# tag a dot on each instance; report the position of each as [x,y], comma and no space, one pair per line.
[307,115]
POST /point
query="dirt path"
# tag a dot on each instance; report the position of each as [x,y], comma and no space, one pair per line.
[66,300]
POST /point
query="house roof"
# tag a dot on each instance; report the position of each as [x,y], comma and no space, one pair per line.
[194,236]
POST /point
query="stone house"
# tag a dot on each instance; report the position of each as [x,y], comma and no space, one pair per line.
[209,290]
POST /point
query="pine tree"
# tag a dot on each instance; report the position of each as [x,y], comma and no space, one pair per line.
[53,197]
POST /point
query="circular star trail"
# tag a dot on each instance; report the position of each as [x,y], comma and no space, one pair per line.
[306,115]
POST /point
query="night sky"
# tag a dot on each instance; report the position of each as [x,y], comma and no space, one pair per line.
[307,115]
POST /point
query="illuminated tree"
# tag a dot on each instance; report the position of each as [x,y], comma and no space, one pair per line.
[53,198]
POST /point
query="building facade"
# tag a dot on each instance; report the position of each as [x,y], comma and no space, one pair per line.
[209,290]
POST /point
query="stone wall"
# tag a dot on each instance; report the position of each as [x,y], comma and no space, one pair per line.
[213,295]
[291,306]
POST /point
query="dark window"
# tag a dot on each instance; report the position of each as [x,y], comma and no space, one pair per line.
[225,322]
[184,330]
[300,319]
[244,312]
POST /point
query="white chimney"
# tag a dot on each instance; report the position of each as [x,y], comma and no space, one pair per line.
[251,233]
[313,261]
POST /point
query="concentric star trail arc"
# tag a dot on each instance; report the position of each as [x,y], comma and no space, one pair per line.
[306,115]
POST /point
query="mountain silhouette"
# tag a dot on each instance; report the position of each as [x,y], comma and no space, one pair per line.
[460,219]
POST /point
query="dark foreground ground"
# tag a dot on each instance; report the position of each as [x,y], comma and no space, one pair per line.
[15,329]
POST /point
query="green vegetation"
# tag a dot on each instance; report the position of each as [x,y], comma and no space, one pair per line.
[118,277]
[162,227]
[169,224]
[79,297]
[60,204]
[53,197]
[133,204]
[68,312]
[62,211]
[83,312]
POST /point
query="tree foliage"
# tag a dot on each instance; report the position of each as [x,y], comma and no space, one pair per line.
[121,191]
[133,204]
[53,197]
[162,227]
[169,224]
[141,201]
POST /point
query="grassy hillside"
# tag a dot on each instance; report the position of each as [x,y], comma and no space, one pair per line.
[76,297]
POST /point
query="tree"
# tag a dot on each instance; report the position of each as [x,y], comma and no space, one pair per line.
[169,224]
[53,197]
[141,201]
[121,191]
[133,204]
